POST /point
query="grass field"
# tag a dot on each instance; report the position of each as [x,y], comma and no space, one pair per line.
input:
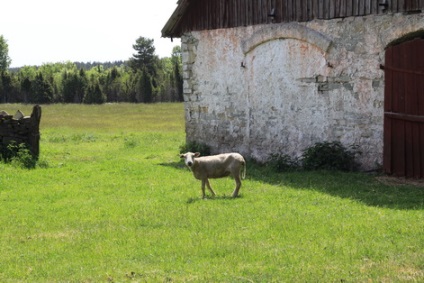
[111,202]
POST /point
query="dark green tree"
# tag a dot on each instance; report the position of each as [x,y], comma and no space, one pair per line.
[25,77]
[94,94]
[5,60]
[5,87]
[82,85]
[129,86]
[42,90]
[26,87]
[69,87]
[144,87]
[176,59]
[112,85]
[74,86]
[145,57]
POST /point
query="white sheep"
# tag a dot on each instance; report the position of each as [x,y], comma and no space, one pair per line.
[216,166]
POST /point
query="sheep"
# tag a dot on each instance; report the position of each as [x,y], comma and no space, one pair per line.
[216,166]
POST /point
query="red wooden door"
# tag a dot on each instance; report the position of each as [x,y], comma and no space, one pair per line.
[404,110]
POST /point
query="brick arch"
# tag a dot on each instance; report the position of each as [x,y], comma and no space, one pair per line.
[287,31]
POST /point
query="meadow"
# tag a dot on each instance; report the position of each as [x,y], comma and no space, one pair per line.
[110,201]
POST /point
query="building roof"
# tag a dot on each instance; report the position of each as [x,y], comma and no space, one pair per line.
[193,15]
[170,28]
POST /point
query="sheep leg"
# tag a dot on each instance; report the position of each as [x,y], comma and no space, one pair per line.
[209,187]
[238,185]
[203,187]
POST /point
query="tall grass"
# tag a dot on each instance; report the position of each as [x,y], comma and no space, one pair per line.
[113,203]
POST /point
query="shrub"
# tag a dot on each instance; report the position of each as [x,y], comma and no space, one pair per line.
[18,155]
[7,151]
[283,162]
[11,151]
[330,156]
[194,146]
[24,158]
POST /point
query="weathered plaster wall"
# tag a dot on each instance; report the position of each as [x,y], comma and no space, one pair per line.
[280,88]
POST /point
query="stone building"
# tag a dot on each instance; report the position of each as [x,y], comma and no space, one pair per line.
[277,76]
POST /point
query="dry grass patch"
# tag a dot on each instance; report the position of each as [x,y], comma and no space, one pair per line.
[399,181]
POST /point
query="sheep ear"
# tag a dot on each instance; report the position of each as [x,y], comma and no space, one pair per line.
[182,155]
[197,154]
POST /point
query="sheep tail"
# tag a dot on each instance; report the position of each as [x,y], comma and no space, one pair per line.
[243,170]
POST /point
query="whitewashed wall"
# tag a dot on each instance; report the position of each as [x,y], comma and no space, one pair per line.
[280,88]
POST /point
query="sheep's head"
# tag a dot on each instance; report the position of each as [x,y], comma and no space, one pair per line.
[189,158]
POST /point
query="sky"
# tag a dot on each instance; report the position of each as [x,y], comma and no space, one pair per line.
[51,31]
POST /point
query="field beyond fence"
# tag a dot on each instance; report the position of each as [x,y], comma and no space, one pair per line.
[110,201]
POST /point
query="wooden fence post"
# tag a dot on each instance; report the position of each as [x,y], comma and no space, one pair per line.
[34,132]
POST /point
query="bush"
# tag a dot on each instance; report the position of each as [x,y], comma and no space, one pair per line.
[283,162]
[193,146]
[7,152]
[330,156]
[18,155]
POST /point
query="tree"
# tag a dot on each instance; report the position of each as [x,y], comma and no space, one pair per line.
[74,86]
[5,87]
[177,68]
[144,87]
[4,55]
[94,94]
[129,86]
[42,91]
[26,75]
[26,87]
[145,57]
[112,85]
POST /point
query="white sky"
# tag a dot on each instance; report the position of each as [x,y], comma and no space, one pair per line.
[50,31]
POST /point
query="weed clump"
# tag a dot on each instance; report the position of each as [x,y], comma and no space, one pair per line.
[130,142]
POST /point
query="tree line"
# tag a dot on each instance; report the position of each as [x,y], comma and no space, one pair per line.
[144,78]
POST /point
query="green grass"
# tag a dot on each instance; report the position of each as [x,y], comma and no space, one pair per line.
[113,203]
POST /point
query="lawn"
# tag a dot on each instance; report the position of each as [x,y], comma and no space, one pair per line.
[110,201]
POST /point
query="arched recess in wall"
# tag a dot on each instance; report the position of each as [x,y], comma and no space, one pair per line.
[286,114]
[287,31]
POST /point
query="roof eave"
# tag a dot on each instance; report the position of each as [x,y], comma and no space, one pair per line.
[170,29]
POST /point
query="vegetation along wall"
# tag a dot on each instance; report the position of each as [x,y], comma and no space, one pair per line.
[279,88]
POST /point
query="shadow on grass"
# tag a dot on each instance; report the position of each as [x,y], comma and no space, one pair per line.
[215,198]
[175,165]
[362,187]
[181,166]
